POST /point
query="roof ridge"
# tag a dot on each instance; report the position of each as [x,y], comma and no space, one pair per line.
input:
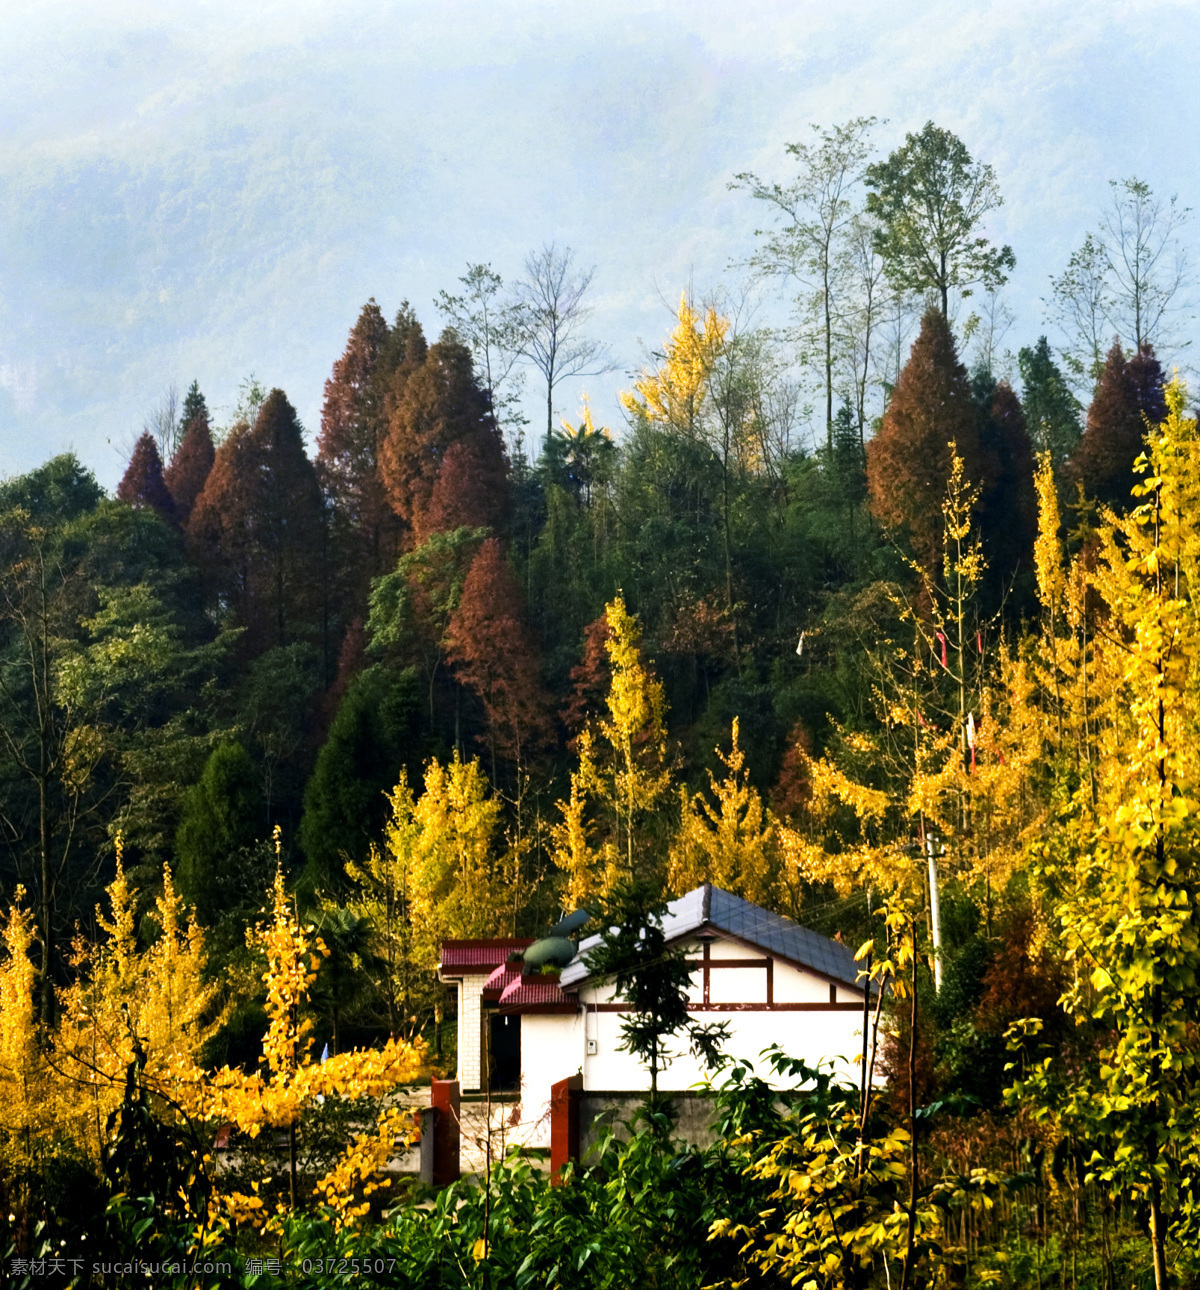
[736,916]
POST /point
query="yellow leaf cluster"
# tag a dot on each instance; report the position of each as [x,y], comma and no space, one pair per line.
[24,1074]
[150,1011]
[124,999]
[731,841]
[623,774]
[289,1081]
[675,394]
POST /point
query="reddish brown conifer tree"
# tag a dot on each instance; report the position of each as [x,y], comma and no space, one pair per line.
[793,787]
[406,349]
[218,533]
[1008,517]
[908,460]
[440,404]
[470,489]
[1128,398]
[143,484]
[189,469]
[492,650]
[352,425]
[255,529]
[590,678]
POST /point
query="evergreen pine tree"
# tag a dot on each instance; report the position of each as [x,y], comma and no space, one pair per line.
[1008,504]
[1051,411]
[376,730]
[223,817]
[848,460]
[194,405]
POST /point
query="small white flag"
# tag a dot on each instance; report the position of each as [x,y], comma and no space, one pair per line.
[970,730]
[800,645]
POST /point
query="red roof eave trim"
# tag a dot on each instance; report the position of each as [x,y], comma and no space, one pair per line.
[479,958]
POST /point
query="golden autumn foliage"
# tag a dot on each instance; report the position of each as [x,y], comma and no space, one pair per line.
[440,853]
[1119,661]
[623,773]
[954,750]
[675,394]
[125,997]
[289,1080]
[458,887]
[730,839]
[149,1011]
[25,1078]
[443,870]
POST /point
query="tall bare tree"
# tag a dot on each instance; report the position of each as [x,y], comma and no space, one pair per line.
[489,327]
[164,424]
[549,315]
[815,215]
[1147,262]
[862,317]
[1128,280]
[1079,305]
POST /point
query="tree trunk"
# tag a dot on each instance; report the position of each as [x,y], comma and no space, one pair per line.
[828,363]
[910,1240]
[292,1166]
[47,911]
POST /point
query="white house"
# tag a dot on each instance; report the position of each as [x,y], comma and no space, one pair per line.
[771,980]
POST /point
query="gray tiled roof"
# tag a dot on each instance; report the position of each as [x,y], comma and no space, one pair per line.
[728,913]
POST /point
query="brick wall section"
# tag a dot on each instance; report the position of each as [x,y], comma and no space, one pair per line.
[469,1014]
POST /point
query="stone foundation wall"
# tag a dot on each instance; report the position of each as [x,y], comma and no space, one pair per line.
[694,1114]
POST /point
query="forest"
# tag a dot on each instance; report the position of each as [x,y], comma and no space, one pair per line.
[839,607]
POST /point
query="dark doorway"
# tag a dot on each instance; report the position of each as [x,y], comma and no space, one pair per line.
[506,1054]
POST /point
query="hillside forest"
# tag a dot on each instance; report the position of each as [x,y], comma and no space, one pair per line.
[867,618]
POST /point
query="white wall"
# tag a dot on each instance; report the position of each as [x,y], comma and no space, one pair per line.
[814,1036]
[553,1047]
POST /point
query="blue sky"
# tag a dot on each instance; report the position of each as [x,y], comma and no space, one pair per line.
[213,189]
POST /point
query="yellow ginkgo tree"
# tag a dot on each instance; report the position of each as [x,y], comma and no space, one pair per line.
[1120,868]
[623,777]
[444,869]
[707,390]
[153,1007]
[675,393]
[731,839]
[27,1105]
[290,1081]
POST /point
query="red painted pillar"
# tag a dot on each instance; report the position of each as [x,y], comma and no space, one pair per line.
[444,1099]
[564,1123]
